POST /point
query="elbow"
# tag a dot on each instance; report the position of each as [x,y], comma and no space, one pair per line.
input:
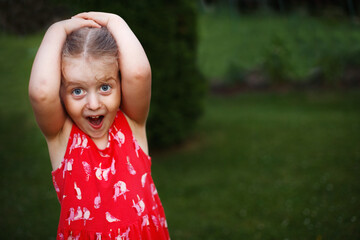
[39,94]
[143,73]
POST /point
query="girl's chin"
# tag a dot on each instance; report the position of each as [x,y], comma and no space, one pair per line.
[96,135]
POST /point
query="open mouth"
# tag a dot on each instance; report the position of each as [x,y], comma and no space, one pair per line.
[96,121]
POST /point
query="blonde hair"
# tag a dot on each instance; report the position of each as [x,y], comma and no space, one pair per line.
[90,42]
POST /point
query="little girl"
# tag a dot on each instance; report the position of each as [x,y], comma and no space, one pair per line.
[93,119]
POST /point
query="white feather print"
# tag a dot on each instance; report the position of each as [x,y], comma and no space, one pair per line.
[137,146]
[98,236]
[113,170]
[57,189]
[120,189]
[84,144]
[123,236]
[86,215]
[69,164]
[71,215]
[102,173]
[119,137]
[104,155]
[72,147]
[110,218]
[61,236]
[143,179]
[139,206]
[78,214]
[87,169]
[145,221]
[78,191]
[105,173]
[97,201]
[130,167]
[155,221]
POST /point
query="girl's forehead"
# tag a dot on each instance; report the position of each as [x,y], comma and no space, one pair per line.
[81,61]
[81,68]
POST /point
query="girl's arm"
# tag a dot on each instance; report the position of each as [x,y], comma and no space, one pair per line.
[45,79]
[134,66]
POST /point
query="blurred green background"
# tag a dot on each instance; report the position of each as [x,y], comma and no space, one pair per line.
[267,128]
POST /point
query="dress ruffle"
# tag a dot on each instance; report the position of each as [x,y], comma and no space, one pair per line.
[149,227]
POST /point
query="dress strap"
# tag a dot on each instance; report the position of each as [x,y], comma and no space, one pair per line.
[121,123]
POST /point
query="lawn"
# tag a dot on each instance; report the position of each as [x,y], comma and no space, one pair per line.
[267,166]
[259,166]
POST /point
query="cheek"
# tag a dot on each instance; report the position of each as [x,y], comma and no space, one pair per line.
[72,107]
[116,97]
[113,103]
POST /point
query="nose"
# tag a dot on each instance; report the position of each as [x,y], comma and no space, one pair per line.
[93,102]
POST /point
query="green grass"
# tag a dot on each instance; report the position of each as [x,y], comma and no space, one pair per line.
[267,166]
[29,208]
[17,54]
[302,43]
[259,166]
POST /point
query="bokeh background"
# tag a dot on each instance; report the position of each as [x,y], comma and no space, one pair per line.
[254,125]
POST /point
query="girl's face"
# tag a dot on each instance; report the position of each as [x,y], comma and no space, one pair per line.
[90,91]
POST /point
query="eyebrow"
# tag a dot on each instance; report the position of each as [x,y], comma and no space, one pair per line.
[75,83]
[70,83]
[105,79]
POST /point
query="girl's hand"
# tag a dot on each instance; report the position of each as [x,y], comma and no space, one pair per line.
[73,24]
[99,17]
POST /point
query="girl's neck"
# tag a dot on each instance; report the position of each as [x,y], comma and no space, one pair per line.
[101,143]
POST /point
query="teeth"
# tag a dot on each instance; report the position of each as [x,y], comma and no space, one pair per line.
[95,117]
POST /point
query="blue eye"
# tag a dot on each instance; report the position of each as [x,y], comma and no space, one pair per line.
[105,88]
[77,92]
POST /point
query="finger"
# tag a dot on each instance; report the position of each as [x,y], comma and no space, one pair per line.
[94,24]
[83,15]
[88,15]
[88,23]
[99,17]
[76,23]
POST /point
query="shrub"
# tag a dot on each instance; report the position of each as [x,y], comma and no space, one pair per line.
[276,63]
[27,16]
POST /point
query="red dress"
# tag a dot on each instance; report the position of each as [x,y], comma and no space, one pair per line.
[109,193]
